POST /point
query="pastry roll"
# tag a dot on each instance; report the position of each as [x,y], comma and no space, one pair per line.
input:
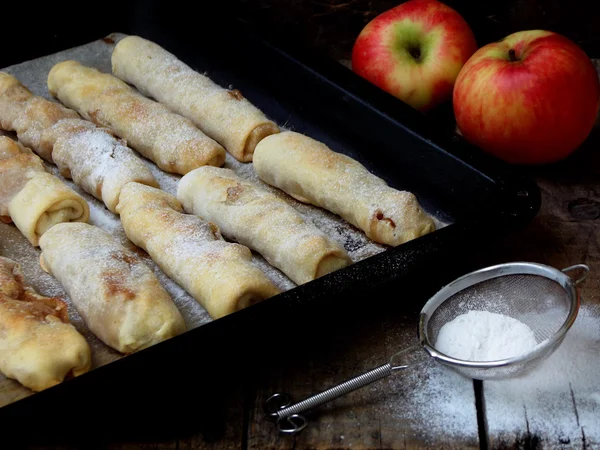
[168,139]
[38,346]
[262,221]
[310,172]
[32,198]
[97,161]
[10,148]
[116,294]
[219,275]
[30,116]
[225,115]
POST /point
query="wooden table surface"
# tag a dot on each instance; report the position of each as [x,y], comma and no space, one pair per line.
[391,413]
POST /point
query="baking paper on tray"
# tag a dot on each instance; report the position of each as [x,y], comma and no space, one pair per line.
[33,74]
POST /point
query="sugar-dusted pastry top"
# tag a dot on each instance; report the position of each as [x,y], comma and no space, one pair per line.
[92,156]
[10,148]
[30,116]
[32,198]
[219,275]
[116,294]
[97,161]
[38,346]
[312,173]
[255,217]
[223,114]
[168,139]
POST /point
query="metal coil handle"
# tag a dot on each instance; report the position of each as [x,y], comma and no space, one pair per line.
[288,417]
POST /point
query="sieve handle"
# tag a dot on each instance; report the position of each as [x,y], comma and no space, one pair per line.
[289,419]
[581,267]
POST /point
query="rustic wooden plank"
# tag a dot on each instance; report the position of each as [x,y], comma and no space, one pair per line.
[424,407]
[211,421]
[558,405]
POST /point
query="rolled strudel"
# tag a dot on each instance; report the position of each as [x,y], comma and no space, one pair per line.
[32,198]
[223,114]
[312,173]
[116,294]
[219,275]
[38,346]
[168,139]
[254,217]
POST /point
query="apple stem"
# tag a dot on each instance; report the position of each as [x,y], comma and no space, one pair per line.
[512,56]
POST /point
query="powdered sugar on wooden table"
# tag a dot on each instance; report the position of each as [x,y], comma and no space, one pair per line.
[561,394]
[556,403]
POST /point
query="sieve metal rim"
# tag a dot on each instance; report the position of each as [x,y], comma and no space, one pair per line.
[488,273]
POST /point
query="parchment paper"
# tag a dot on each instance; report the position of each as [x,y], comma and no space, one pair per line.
[33,74]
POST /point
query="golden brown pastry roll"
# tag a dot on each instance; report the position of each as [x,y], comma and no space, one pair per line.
[223,114]
[30,116]
[218,274]
[310,172]
[10,148]
[38,346]
[262,221]
[97,161]
[32,198]
[116,294]
[168,139]
[94,158]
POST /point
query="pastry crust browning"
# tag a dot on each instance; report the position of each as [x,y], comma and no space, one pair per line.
[218,274]
[116,294]
[312,173]
[38,346]
[225,115]
[262,221]
[168,139]
[95,159]
[32,198]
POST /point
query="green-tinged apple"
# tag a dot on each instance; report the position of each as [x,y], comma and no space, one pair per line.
[530,98]
[414,51]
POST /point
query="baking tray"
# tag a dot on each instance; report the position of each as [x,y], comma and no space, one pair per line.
[477,196]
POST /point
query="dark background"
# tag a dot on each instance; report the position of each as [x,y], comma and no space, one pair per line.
[29,30]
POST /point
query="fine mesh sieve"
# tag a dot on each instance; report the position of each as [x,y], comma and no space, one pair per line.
[540,296]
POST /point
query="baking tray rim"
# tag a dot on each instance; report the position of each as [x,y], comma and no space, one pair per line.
[521,209]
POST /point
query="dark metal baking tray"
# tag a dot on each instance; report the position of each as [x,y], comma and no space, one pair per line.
[479,196]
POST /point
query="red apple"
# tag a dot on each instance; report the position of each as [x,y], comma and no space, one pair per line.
[414,51]
[530,98]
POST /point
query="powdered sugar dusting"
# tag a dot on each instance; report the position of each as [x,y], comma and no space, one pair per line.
[33,74]
[168,139]
[436,399]
[224,115]
[14,246]
[99,163]
[485,336]
[355,242]
[168,181]
[559,400]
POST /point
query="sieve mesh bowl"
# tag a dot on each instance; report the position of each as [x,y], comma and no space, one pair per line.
[539,296]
